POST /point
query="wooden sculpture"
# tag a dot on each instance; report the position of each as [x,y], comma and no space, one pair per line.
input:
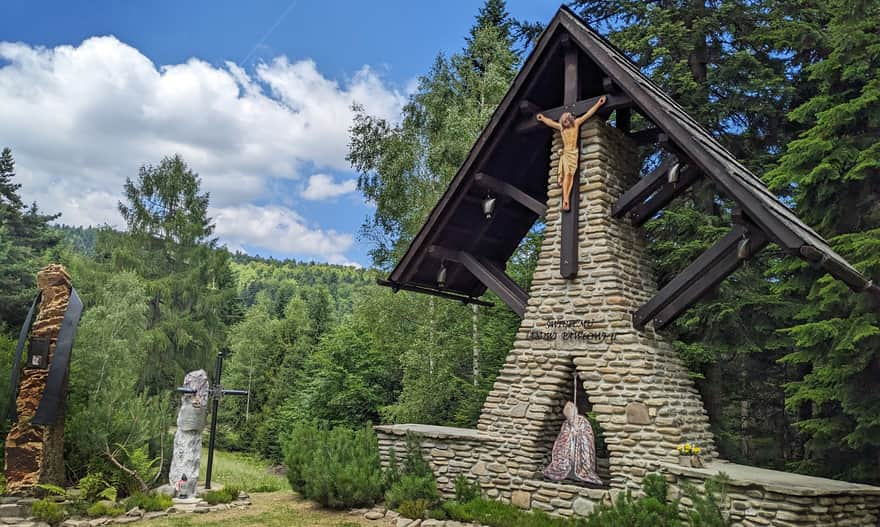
[569,127]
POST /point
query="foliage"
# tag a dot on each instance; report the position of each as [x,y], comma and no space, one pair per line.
[705,509]
[224,495]
[106,410]
[466,490]
[415,480]
[25,235]
[831,173]
[190,288]
[49,489]
[414,509]
[336,467]
[497,514]
[104,508]
[153,501]
[654,509]
[92,485]
[46,510]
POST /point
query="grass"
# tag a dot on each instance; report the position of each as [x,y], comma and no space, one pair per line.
[272,509]
[244,471]
[274,504]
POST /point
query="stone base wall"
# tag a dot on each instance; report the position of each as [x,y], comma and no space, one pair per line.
[749,503]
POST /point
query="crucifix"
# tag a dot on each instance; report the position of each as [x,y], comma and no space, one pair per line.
[215,393]
[568,168]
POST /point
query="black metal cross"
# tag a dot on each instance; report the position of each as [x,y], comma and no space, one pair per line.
[215,393]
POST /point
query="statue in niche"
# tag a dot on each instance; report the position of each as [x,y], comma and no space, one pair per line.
[569,127]
[574,452]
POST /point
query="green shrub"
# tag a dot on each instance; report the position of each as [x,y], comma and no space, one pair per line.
[415,479]
[48,511]
[497,514]
[706,511]
[224,495]
[149,502]
[338,468]
[414,509]
[466,491]
[411,488]
[103,508]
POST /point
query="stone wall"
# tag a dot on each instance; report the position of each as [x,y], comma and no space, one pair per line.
[636,385]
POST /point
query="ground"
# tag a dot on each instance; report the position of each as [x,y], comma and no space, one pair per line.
[283,507]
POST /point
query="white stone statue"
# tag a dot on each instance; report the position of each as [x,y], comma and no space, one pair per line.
[184,474]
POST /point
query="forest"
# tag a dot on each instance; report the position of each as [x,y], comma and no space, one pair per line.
[787,361]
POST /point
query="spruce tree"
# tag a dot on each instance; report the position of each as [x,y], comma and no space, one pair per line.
[25,235]
[832,174]
[189,282]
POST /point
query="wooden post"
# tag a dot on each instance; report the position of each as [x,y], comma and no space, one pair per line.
[568,264]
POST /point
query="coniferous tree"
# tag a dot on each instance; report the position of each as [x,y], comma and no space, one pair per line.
[25,235]
[832,173]
[190,283]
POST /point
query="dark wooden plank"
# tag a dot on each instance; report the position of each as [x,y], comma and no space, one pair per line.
[642,190]
[708,280]
[435,292]
[568,257]
[667,192]
[489,274]
[506,189]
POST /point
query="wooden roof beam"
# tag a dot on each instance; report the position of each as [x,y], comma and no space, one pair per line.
[487,273]
[648,136]
[704,273]
[667,192]
[642,190]
[510,191]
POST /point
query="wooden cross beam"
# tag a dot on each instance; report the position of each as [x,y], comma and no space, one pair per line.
[506,189]
[395,287]
[707,271]
[612,102]
[489,274]
[648,136]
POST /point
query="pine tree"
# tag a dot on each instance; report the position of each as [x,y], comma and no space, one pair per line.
[832,173]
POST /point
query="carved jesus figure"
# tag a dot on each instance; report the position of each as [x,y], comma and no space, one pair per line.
[574,452]
[569,126]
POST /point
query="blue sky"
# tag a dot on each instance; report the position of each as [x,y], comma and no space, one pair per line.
[254,95]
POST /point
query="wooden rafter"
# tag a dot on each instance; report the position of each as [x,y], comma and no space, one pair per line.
[510,191]
[487,273]
[433,292]
[667,192]
[642,190]
[699,277]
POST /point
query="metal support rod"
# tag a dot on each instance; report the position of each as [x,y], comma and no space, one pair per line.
[215,404]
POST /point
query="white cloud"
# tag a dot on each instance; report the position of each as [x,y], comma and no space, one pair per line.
[279,230]
[322,186]
[80,119]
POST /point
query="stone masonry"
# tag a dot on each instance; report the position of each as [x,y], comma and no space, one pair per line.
[637,386]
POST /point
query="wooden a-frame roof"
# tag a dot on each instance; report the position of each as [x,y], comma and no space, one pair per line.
[509,160]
